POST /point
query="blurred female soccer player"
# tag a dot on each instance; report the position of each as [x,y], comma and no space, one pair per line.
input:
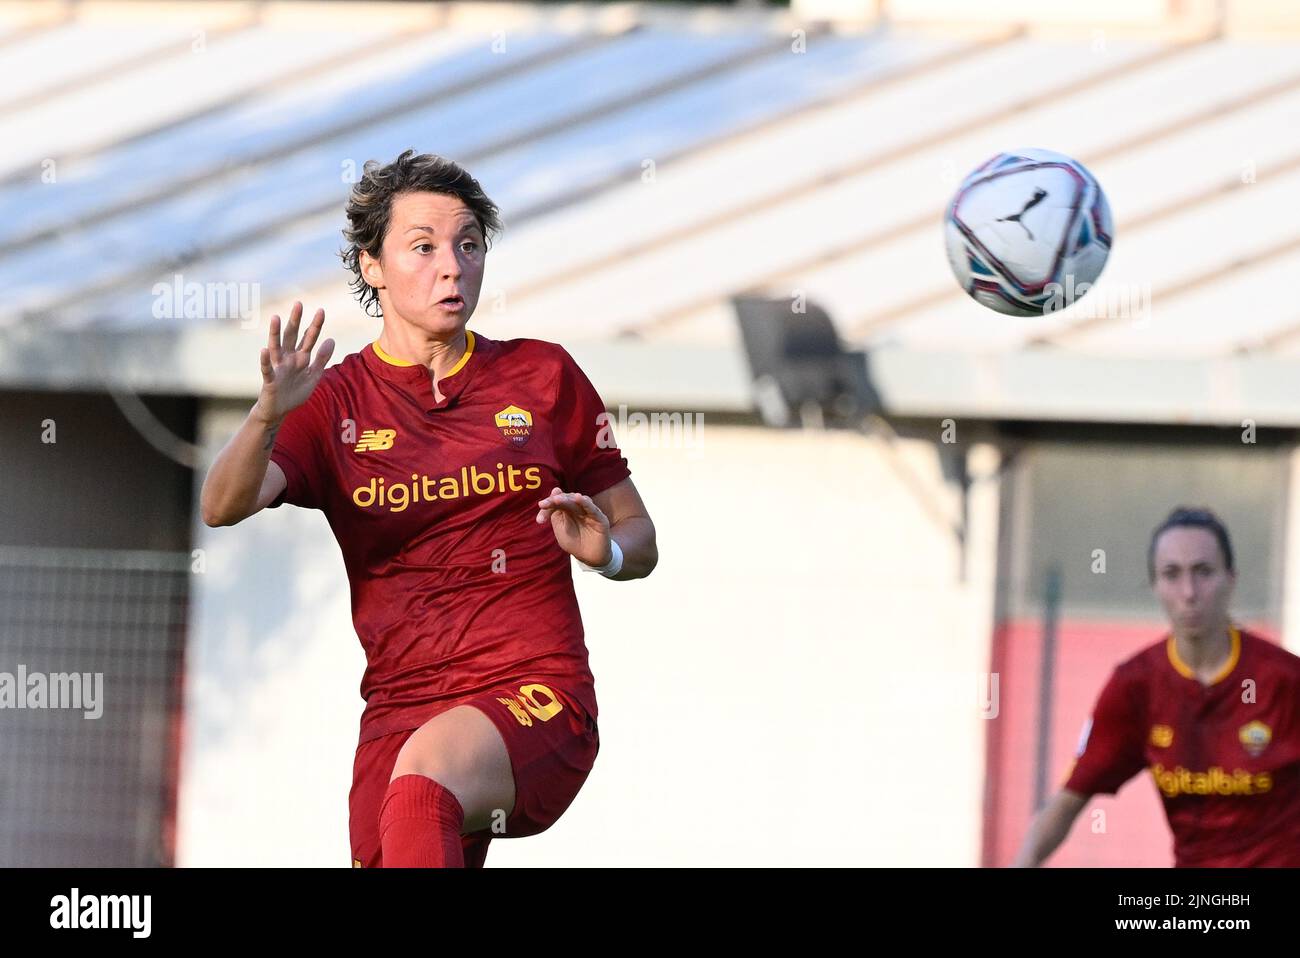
[458,474]
[1211,709]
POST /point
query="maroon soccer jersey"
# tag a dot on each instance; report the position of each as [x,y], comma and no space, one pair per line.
[1224,756]
[455,585]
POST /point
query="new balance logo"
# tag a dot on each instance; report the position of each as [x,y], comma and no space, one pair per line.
[373,440]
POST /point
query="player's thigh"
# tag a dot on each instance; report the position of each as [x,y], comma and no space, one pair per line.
[463,751]
[552,742]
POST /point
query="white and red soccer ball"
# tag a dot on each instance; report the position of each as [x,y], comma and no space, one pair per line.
[1028,232]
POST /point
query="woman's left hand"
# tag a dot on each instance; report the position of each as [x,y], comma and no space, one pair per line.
[581,529]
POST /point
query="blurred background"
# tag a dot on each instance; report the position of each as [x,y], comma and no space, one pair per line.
[903,537]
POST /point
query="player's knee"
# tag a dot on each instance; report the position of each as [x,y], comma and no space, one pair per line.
[436,773]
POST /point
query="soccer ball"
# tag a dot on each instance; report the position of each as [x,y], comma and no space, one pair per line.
[1028,232]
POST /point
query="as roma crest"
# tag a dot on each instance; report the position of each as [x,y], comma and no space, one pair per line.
[1254,737]
[515,424]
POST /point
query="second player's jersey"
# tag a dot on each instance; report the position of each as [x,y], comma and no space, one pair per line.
[1225,757]
[456,588]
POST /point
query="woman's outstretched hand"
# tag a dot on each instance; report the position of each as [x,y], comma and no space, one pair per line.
[289,374]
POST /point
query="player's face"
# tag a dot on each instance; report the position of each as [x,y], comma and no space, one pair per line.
[1192,581]
[433,249]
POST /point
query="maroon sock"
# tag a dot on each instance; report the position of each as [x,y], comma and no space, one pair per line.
[419,825]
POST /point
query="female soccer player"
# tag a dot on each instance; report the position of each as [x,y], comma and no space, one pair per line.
[458,474]
[1210,709]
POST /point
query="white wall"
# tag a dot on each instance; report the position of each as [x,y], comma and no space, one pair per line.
[768,696]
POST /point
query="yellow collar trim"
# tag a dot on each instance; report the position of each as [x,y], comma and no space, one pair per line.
[469,351]
[394,361]
[1185,670]
[391,360]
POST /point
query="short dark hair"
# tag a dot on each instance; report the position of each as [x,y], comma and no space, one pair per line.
[370,208]
[1191,518]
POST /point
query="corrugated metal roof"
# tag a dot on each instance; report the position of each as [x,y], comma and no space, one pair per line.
[648,173]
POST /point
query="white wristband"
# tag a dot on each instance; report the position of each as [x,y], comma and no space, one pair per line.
[610,568]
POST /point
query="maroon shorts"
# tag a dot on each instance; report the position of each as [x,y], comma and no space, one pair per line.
[552,743]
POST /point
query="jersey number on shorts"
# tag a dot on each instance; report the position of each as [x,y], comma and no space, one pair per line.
[525,707]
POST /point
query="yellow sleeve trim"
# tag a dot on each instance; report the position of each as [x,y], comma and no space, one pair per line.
[1065,779]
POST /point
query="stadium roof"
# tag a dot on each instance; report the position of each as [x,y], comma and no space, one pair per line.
[651,164]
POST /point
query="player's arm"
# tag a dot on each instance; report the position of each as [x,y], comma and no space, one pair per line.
[630,526]
[1049,828]
[243,480]
[1108,755]
[585,525]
